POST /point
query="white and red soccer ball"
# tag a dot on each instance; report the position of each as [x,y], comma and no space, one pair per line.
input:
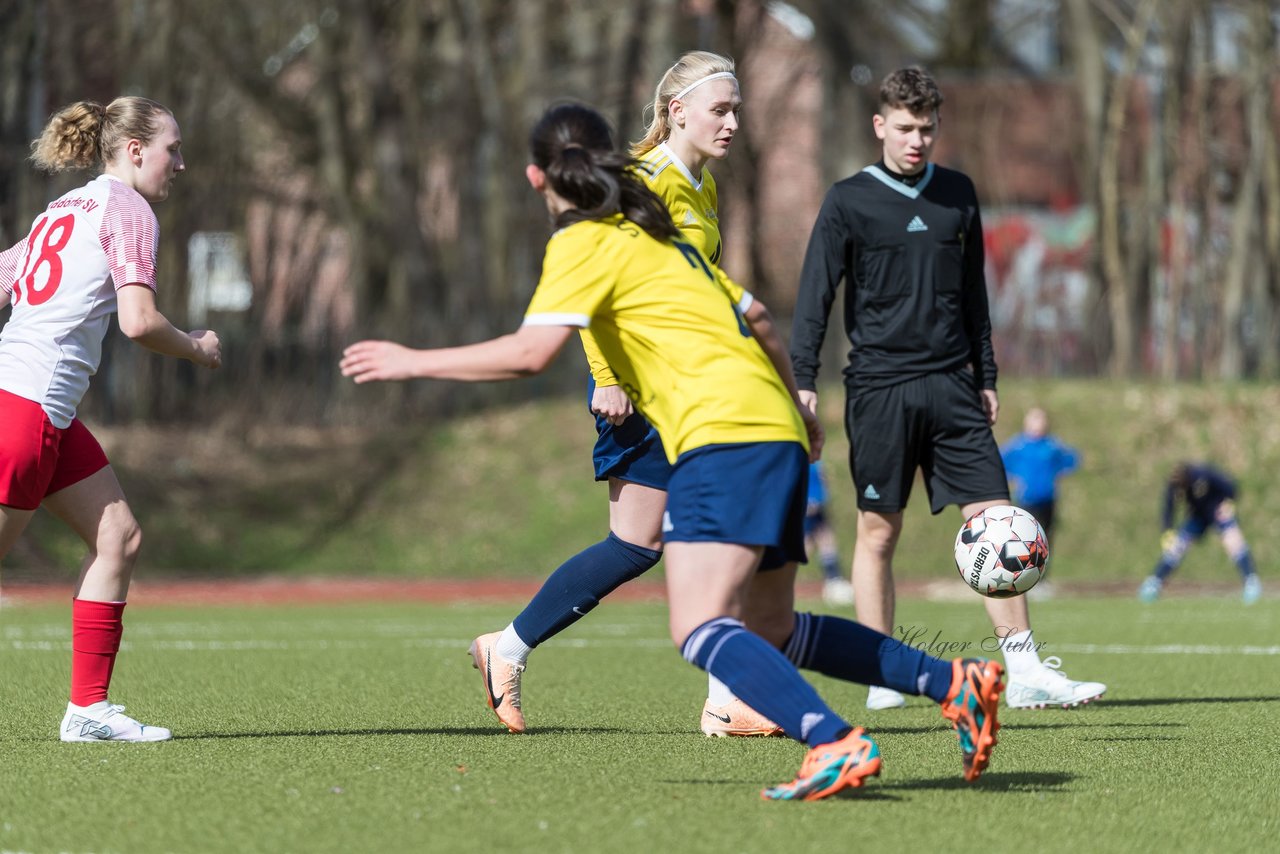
[1001,551]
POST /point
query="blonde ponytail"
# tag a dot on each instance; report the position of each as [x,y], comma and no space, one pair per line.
[85,135]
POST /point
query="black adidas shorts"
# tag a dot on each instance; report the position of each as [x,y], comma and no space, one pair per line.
[934,423]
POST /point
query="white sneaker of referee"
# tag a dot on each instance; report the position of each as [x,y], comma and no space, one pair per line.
[1032,683]
[1036,684]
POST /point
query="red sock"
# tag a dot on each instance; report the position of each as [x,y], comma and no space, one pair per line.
[95,638]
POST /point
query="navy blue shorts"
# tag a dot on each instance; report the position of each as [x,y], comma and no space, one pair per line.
[630,451]
[1194,527]
[752,494]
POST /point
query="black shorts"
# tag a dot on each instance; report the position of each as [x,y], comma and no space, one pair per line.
[934,423]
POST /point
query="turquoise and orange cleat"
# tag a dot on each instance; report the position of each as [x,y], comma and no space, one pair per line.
[971,707]
[828,768]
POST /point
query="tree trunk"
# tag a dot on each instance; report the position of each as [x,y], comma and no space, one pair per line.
[1175,260]
[1089,71]
[1269,269]
[1244,251]
[1120,286]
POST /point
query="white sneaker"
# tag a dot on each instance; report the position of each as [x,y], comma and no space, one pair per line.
[1047,686]
[884,698]
[837,591]
[105,721]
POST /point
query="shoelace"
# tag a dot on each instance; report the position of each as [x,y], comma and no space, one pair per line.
[1054,663]
[512,684]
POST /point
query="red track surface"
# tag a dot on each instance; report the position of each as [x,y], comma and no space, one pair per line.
[308,591]
[280,591]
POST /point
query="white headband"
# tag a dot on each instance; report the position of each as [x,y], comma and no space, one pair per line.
[719,75]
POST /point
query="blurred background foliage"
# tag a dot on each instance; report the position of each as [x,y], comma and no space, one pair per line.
[355,169]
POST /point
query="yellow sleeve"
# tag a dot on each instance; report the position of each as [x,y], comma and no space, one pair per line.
[572,288]
[740,298]
[574,283]
[600,370]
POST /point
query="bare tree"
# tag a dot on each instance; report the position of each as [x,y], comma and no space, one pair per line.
[1246,255]
[1269,268]
[1179,73]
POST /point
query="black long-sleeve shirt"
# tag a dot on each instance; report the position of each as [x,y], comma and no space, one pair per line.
[916,301]
[1203,490]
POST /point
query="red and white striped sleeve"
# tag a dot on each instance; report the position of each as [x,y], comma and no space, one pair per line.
[130,236]
[9,259]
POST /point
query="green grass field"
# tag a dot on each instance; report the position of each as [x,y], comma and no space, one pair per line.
[363,728]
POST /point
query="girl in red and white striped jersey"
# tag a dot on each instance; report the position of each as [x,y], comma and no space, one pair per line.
[90,254]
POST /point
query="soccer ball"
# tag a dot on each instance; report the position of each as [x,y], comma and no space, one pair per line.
[1001,551]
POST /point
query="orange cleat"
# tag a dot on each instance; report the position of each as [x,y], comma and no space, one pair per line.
[736,719]
[828,768]
[501,680]
[971,706]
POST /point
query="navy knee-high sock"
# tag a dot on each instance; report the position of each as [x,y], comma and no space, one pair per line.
[1165,567]
[855,653]
[762,678]
[579,584]
[1244,563]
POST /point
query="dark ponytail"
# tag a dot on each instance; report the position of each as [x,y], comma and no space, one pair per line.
[572,143]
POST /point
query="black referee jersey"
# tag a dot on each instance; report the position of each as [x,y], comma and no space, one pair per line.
[916,301]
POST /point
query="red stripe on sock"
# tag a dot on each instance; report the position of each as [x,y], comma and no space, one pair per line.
[96,628]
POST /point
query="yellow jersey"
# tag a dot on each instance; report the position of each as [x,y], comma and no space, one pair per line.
[694,208]
[693,203]
[669,324]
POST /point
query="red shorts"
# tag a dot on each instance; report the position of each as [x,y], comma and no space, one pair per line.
[38,459]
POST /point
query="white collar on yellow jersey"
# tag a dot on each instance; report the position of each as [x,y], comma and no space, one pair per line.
[679,164]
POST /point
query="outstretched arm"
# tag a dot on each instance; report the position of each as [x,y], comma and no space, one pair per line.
[527,351]
[142,321]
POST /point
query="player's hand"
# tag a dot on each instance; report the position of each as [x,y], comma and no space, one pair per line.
[611,403]
[1169,541]
[374,361]
[991,405]
[208,348]
[816,437]
[809,400]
